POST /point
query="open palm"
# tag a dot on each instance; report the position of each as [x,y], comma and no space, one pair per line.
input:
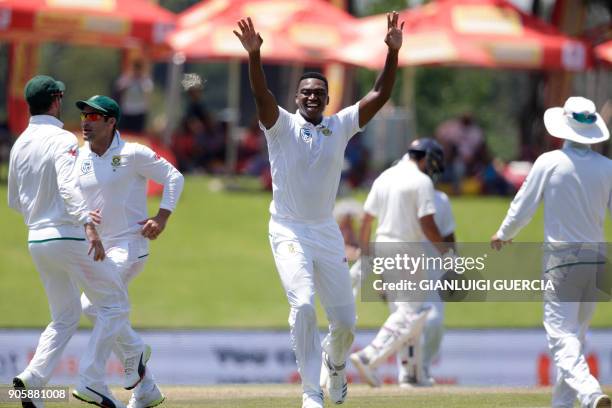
[394,34]
[250,39]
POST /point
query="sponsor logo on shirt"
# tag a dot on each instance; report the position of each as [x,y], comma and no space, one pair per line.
[73,152]
[86,167]
[306,134]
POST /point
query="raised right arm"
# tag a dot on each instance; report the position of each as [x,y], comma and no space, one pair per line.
[267,107]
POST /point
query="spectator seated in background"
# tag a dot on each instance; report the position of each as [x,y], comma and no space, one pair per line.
[490,173]
[252,151]
[356,159]
[133,90]
[184,145]
[461,138]
[199,143]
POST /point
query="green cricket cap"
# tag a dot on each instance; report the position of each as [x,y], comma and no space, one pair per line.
[41,90]
[102,104]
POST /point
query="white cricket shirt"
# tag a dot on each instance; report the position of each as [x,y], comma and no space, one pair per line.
[576,186]
[444,219]
[306,162]
[42,182]
[399,197]
[116,183]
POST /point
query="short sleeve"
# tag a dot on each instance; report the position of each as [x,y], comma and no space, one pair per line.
[425,198]
[349,121]
[372,203]
[282,126]
[445,221]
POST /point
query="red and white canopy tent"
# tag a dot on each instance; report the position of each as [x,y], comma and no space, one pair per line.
[133,24]
[486,33]
[603,52]
[294,32]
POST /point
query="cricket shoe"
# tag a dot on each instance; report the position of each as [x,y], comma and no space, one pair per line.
[135,367]
[411,382]
[101,397]
[312,401]
[25,381]
[337,386]
[147,399]
[602,401]
[361,363]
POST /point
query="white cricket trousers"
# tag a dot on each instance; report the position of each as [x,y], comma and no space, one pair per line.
[310,259]
[566,324]
[433,332]
[65,269]
[125,256]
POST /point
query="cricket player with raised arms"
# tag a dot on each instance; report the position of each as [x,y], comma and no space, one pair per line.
[306,152]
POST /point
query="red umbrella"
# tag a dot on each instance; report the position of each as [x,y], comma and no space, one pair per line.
[489,33]
[427,47]
[603,52]
[113,23]
[302,31]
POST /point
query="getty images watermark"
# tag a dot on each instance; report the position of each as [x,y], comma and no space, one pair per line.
[473,272]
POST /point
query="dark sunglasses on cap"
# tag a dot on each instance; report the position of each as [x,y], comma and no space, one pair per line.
[92,116]
[587,118]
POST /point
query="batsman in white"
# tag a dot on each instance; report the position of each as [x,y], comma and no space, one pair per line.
[113,176]
[575,184]
[42,187]
[429,345]
[306,155]
[403,200]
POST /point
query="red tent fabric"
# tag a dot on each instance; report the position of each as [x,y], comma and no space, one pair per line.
[302,31]
[488,33]
[116,23]
[603,52]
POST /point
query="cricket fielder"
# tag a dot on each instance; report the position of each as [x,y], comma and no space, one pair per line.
[112,175]
[403,200]
[575,184]
[42,187]
[306,155]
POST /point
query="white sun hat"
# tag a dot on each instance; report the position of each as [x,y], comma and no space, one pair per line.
[577,121]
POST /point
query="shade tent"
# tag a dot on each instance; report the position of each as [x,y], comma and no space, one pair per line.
[139,25]
[116,23]
[429,47]
[487,33]
[293,31]
[603,52]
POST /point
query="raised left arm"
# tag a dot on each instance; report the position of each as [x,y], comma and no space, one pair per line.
[380,94]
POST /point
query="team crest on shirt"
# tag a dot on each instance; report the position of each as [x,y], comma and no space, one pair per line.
[306,134]
[86,167]
[116,161]
[326,131]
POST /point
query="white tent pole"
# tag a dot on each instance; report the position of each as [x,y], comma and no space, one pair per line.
[173,95]
[233,102]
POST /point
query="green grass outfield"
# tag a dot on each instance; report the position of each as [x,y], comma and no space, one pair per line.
[360,396]
[213,267]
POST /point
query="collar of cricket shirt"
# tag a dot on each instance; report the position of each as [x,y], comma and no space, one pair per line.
[46,120]
[322,127]
[116,143]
